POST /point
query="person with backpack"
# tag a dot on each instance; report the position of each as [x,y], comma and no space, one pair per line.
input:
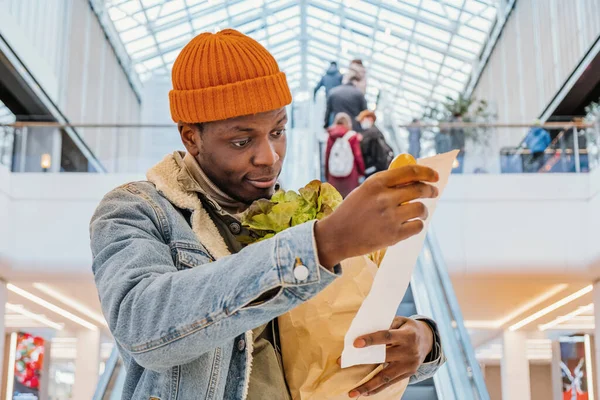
[344,164]
[376,152]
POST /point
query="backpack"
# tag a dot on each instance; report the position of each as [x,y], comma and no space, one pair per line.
[341,157]
[383,154]
[377,153]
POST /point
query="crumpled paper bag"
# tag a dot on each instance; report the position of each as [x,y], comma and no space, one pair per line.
[312,339]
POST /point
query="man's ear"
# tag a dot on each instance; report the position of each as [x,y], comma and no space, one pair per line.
[190,137]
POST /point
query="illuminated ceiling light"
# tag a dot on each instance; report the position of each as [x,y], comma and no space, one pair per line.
[496,324]
[551,308]
[36,317]
[51,307]
[74,304]
[474,324]
[568,317]
[573,327]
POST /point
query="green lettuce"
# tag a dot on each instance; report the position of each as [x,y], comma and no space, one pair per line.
[265,218]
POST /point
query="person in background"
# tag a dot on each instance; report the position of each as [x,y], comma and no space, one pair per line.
[358,72]
[346,98]
[537,141]
[457,142]
[332,78]
[414,138]
[340,153]
[377,153]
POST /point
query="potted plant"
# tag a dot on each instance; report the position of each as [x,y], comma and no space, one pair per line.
[475,141]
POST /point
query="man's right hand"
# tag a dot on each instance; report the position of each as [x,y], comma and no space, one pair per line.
[378,214]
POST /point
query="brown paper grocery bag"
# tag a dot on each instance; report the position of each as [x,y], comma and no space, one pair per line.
[312,339]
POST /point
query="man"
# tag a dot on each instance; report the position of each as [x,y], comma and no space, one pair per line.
[377,154]
[357,70]
[348,99]
[191,310]
[537,140]
[414,138]
[331,79]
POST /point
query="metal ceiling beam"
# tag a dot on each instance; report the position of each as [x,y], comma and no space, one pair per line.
[178,45]
[398,35]
[207,11]
[303,45]
[502,17]
[317,39]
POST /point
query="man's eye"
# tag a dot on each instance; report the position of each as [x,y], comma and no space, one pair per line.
[279,133]
[241,143]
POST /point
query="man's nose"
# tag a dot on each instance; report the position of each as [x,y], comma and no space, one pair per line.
[266,154]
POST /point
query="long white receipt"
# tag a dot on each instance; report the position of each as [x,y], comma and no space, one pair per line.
[392,279]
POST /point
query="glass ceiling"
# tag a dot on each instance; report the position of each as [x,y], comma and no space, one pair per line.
[417,50]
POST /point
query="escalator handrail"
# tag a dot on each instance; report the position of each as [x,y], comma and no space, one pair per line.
[104,380]
[454,307]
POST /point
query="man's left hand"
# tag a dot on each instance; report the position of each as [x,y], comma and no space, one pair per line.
[408,343]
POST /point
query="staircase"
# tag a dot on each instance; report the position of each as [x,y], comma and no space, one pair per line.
[424,390]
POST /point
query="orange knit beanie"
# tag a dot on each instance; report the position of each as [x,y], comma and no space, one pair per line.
[225,75]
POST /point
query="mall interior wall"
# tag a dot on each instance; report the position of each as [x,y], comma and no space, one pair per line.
[541,45]
[519,224]
[63,46]
[537,227]
[4,215]
[155,143]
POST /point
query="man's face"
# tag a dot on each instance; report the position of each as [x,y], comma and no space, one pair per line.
[243,156]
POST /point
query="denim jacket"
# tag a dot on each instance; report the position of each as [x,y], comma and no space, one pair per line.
[179,306]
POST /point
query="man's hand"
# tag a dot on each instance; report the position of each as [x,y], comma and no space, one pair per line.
[376,215]
[408,343]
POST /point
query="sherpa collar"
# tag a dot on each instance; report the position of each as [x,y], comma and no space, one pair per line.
[168,176]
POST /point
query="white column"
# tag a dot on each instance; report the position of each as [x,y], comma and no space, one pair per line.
[596,353]
[556,372]
[515,367]
[2,328]
[87,364]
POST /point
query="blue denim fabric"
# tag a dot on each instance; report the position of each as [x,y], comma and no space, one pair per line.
[180,319]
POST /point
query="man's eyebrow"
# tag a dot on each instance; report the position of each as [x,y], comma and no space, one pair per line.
[284,118]
[243,129]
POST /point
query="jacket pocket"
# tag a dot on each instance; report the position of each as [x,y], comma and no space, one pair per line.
[188,255]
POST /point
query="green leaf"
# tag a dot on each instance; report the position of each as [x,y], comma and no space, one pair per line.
[330,197]
[278,197]
[291,196]
[310,192]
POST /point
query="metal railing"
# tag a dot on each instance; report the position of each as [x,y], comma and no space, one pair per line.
[110,384]
[132,148]
[572,147]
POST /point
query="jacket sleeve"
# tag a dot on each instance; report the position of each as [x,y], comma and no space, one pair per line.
[164,316]
[327,154]
[327,112]
[358,157]
[435,359]
[363,103]
[319,85]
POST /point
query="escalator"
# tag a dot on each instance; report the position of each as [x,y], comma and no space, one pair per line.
[431,294]
[110,385]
